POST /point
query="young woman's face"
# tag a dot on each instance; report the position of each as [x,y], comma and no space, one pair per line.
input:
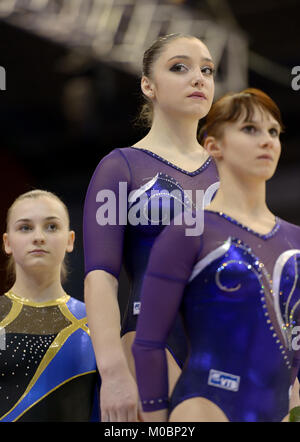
[38,234]
[252,148]
[182,80]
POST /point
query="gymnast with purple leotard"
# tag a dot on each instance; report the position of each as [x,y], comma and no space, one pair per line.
[236,286]
[133,194]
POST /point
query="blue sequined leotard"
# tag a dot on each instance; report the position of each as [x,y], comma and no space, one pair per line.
[132,195]
[239,295]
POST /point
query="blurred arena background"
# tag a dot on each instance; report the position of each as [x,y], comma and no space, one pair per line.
[69,88]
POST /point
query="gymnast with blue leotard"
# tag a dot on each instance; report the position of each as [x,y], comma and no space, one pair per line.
[236,286]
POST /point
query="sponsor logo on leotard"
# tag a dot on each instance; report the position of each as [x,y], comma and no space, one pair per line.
[223,380]
[136,308]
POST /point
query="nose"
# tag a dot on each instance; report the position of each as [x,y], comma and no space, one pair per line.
[39,236]
[267,141]
[198,79]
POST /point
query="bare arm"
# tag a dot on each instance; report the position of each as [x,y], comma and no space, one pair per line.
[118,394]
[295,399]
[294,402]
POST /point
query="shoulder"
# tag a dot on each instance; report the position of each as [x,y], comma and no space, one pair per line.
[76,307]
[291,229]
[121,157]
[115,156]
[289,233]
[184,231]
[5,306]
[112,168]
[213,221]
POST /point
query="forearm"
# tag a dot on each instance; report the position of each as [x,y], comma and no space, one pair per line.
[295,399]
[104,322]
[118,395]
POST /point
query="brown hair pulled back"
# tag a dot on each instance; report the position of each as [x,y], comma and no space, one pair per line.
[145,117]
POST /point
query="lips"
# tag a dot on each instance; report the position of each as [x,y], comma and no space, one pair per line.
[198,95]
[265,157]
[38,251]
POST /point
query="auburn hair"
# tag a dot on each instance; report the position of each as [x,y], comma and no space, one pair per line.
[232,106]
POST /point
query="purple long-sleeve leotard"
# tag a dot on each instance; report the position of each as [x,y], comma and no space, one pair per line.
[132,195]
[239,295]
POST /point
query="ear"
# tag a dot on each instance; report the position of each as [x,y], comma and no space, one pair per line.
[147,87]
[213,147]
[71,239]
[6,244]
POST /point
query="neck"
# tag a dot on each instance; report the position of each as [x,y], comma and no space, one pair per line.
[37,288]
[168,131]
[241,198]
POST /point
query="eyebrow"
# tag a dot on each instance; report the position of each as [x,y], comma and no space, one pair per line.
[188,58]
[275,123]
[27,220]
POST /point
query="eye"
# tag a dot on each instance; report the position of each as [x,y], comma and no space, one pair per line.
[52,227]
[208,71]
[25,228]
[249,129]
[274,132]
[179,67]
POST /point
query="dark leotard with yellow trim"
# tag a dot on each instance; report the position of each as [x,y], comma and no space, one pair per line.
[48,368]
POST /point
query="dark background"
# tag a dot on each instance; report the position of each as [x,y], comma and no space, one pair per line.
[57,123]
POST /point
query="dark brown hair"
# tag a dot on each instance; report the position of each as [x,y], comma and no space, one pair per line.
[32,194]
[145,116]
[230,108]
